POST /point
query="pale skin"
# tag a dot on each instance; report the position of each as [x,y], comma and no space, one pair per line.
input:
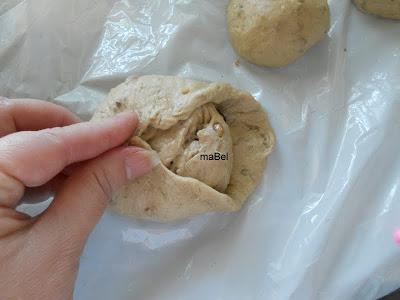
[39,256]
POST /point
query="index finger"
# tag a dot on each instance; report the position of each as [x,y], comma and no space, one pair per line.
[34,157]
[32,114]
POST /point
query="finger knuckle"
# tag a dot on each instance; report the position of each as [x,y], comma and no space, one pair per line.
[102,182]
[11,189]
[108,138]
[55,137]
[12,221]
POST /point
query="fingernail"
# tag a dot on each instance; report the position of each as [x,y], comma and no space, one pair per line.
[140,162]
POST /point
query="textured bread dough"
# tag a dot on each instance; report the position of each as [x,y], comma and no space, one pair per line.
[182,119]
[384,8]
[180,146]
[275,33]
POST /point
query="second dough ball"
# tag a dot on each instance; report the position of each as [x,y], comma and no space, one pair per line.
[275,33]
[384,8]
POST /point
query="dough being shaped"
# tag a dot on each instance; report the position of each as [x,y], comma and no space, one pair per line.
[384,8]
[180,147]
[182,120]
[275,33]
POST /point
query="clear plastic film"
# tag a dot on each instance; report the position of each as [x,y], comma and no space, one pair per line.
[320,224]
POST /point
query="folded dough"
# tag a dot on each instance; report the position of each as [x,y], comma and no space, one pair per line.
[180,147]
[183,119]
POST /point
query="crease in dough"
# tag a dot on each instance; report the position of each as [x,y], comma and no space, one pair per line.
[181,146]
[182,119]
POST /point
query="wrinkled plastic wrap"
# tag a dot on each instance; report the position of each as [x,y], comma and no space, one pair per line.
[320,224]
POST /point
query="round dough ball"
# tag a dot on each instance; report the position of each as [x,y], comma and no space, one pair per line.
[275,33]
[384,8]
[184,120]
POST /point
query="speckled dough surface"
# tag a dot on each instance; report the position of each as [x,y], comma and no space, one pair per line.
[183,119]
[384,8]
[275,33]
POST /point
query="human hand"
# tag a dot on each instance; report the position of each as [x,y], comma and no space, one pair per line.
[39,256]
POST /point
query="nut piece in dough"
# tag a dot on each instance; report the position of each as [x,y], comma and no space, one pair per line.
[187,122]
[384,8]
[275,33]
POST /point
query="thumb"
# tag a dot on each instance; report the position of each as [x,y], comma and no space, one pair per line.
[80,203]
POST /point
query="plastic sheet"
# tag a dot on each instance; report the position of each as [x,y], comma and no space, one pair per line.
[320,224]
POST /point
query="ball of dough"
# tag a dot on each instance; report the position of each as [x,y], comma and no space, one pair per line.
[384,8]
[275,33]
[183,120]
